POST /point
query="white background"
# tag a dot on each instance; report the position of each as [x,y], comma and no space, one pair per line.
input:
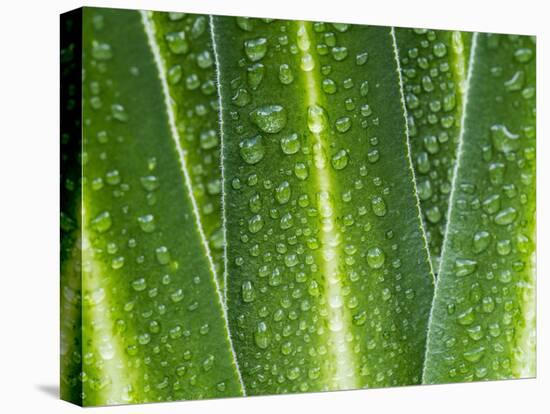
[29,168]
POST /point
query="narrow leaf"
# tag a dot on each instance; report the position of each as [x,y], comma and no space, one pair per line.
[434,67]
[329,283]
[153,323]
[483,317]
[185,48]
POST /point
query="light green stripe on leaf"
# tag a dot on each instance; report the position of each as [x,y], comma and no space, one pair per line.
[329,282]
[483,318]
[434,69]
[153,322]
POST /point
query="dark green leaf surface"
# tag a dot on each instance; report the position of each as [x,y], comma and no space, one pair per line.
[153,321]
[329,284]
[483,318]
[434,68]
[71,199]
[186,50]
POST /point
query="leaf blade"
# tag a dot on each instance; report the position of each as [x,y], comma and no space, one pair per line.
[276,106]
[186,52]
[150,296]
[434,68]
[482,324]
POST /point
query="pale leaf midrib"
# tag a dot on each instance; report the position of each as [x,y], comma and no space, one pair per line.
[346,377]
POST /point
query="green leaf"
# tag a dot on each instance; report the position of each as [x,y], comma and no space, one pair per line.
[483,318]
[71,200]
[186,51]
[154,327]
[434,68]
[329,282]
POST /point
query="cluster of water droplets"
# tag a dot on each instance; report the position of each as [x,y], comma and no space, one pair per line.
[434,65]
[489,267]
[301,224]
[191,74]
[144,295]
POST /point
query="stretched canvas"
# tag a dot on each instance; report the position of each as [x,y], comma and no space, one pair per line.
[253,206]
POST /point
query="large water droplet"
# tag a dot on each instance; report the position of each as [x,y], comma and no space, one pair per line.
[269,118]
[255,49]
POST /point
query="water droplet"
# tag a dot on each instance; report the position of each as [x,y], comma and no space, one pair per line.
[515,83]
[163,255]
[503,139]
[329,86]
[340,160]
[245,23]
[101,51]
[261,336]
[147,223]
[119,113]
[255,49]
[204,60]
[283,192]
[291,259]
[208,363]
[252,149]
[474,355]
[317,120]
[482,239]
[506,216]
[341,27]
[375,258]
[307,63]
[343,124]
[102,222]
[177,42]
[248,293]
[209,139]
[139,284]
[467,317]
[523,55]
[440,49]
[290,144]
[177,295]
[339,53]
[378,206]
[241,97]
[465,267]
[301,171]
[286,76]
[255,75]
[361,58]
[255,223]
[149,183]
[269,118]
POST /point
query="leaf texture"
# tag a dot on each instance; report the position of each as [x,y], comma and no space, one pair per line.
[483,317]
[186,51]
[154,327]
[329,283]
[434,68]
[258,206]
